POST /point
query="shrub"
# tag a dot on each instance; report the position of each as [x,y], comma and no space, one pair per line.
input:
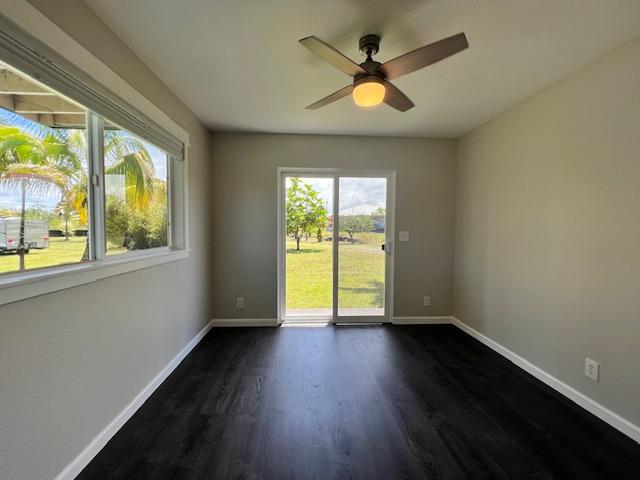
[136,229]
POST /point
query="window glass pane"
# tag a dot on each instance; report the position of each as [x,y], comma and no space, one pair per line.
[308,204]
[43,176]
[135,192]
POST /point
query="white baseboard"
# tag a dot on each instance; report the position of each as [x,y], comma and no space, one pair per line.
[603,413]
[82,460]
[244,322]
[421,320]
[273,322]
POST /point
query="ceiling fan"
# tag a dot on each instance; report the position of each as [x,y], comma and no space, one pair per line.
[371,84]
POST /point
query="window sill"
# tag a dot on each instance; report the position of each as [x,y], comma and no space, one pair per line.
[16,287]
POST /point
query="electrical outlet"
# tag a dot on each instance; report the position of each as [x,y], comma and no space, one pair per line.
[239,302]
[427,301]
[591,369]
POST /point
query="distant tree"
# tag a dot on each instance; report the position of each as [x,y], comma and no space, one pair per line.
[306,211]
[378,214]
[65,210]
[356,224]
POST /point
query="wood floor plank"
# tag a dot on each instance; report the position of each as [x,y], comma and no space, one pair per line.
[359,402]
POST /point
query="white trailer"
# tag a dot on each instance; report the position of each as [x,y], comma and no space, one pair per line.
[36,234]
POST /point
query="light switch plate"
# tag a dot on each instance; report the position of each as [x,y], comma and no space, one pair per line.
[592,369]
[403,236]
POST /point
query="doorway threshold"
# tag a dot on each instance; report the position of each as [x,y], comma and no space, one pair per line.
[358,324]
[306,324]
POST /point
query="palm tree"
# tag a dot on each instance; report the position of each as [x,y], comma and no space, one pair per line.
[35,158]
[123,155]
[127,156]
[19,146]
[34,179]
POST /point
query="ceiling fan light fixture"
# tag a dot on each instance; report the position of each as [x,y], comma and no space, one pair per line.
[368,91]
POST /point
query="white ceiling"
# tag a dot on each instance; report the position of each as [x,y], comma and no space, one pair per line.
[238,66]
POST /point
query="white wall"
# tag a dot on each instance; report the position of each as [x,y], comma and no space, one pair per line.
[72,360]
[244,206]
[547,259]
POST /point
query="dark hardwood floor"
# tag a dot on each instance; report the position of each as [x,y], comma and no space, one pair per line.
[359,402]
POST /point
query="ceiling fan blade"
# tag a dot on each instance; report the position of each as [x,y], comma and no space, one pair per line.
[424,56]
[343,92]
[333,57]
[394,97]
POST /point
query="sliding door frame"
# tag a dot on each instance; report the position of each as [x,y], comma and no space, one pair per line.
[335,174]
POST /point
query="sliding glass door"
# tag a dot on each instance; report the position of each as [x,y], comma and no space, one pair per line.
[361,245]
[335,246]
[308,247]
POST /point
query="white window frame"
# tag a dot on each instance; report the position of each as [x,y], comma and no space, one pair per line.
[22,285]
[97,197]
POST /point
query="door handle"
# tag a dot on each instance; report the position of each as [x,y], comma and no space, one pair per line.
[386,248]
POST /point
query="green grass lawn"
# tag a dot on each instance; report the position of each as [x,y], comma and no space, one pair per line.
[60,251]
[361,270]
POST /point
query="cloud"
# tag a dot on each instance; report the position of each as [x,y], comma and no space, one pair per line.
[362,195]
[357,195]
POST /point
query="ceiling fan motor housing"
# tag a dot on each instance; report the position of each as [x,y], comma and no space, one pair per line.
[369,44]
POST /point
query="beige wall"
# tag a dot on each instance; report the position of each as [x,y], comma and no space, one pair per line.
[244,206]
[72,360]
[548,230]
